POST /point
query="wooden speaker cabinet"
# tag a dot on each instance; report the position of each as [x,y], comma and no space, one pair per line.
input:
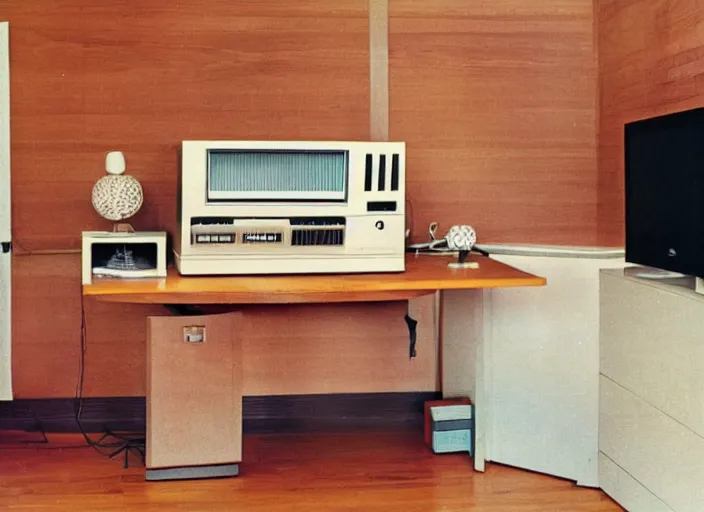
[194,396]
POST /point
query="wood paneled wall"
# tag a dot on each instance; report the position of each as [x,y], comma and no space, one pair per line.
[141,77]
[651,62]
[297,349]
[495,100]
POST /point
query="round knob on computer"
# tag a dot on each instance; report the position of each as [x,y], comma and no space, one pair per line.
[379,225]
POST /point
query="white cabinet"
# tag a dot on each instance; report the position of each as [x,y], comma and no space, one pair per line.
[651,418]
[543,354]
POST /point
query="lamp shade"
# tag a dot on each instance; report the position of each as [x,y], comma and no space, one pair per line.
[461,238]
[117,197]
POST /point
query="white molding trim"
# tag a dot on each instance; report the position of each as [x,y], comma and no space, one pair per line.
[4,132]
[553,251]
[5,221]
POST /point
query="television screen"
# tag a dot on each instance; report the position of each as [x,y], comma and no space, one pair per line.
[664,192]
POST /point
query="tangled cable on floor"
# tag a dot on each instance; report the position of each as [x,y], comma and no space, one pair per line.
[111,443]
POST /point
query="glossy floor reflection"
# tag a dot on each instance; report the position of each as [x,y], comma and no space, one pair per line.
[307,472]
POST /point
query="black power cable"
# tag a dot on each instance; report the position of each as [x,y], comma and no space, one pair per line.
[122,443]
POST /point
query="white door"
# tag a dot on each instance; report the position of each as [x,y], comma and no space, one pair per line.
[544,353]
[5,237]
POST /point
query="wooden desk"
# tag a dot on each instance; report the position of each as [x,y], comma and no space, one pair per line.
[425,274]
[194,390]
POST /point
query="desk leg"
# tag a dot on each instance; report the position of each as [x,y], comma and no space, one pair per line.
[194,397]
[465,369]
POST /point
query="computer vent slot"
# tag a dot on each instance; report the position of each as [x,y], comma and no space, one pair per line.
[382,172]
[394,171]
[368,172]
[317,237]
[377,169]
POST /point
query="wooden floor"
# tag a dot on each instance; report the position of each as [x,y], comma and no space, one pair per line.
[312,472]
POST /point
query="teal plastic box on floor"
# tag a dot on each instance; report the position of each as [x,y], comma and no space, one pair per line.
[451,441]
[452,429]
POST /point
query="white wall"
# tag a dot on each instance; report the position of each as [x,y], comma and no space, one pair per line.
[5,306]
[545,363]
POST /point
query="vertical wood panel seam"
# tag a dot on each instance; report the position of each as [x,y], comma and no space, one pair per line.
[379,127]
[379,69]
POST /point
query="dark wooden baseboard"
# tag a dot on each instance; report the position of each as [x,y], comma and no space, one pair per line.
[261,414]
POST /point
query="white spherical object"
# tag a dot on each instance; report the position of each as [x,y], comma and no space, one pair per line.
[461,238]
[117,197]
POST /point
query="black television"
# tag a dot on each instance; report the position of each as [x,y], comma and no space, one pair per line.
[664,192]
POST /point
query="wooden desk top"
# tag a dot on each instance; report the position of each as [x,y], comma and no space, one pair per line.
[424,275]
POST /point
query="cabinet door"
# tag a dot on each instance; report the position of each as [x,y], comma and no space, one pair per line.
[651,344]
[660,453]
[194,391]
[545,367]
